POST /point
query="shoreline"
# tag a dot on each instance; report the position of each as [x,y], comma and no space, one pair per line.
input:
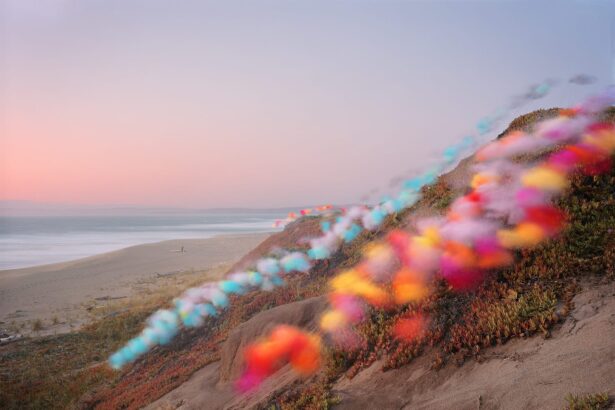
[60,297]
[53,265]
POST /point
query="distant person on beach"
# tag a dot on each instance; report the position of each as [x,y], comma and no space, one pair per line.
[182,250]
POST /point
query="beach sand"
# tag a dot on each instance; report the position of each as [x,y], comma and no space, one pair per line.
[63,296]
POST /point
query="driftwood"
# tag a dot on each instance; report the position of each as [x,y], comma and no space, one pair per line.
[4,338]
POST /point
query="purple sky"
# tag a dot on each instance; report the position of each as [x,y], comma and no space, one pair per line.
[266,103]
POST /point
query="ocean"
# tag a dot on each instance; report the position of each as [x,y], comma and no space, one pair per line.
[35,240]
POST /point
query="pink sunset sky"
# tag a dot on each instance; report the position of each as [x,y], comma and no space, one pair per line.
[266,103]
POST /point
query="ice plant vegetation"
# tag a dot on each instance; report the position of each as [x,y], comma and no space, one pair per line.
[477,235]
[508,206]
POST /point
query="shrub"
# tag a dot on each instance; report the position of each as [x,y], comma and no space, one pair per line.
[596,401]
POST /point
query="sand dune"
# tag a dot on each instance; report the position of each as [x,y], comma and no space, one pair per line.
[533,373]
[62,290]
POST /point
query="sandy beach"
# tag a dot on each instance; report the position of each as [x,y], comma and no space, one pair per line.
[63,296]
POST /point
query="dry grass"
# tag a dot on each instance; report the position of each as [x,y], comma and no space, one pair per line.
[153,294]
[54,372]
[596,401]
[527,121]
[37,325]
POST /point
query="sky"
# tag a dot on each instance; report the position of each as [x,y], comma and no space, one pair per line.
[267,103]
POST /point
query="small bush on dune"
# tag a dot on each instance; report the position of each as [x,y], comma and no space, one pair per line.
[597,401]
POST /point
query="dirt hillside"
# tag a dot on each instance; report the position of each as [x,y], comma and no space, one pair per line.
[530,335]
[535,373]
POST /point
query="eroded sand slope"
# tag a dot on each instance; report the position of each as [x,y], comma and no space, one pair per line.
[536,373]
